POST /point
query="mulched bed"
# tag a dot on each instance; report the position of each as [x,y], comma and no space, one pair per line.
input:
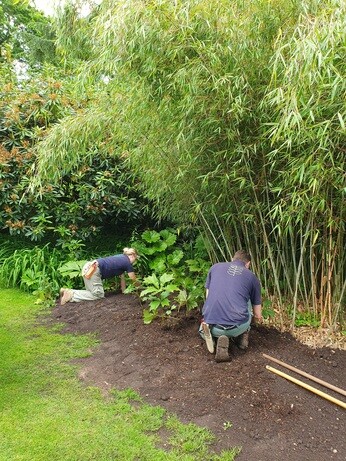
[240,402]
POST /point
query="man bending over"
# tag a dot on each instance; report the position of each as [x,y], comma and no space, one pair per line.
[233,296]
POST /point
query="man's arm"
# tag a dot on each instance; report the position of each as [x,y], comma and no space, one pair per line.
[133,277]
[257,313]
[122,283]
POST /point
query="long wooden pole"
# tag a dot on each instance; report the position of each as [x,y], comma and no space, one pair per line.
[306,386]
[300,372]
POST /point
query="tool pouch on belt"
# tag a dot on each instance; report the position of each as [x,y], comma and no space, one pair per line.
[89,269]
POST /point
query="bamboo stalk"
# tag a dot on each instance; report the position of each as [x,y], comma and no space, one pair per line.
[329,276]
[313,278]
[299,270]
[269,249]
[278,243]
[338,306]
[307,386]
[213,235]
[303,373]
[332,281]
[322,282]
[230,254]
[339,273]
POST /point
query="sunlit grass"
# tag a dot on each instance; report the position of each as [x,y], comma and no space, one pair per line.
[47,414]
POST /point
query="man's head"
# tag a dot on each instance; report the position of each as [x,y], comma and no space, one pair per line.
[131,253]
[242,255]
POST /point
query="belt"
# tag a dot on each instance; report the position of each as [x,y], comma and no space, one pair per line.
[225,327]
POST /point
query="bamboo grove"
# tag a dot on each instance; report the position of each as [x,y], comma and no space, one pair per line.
[231,115]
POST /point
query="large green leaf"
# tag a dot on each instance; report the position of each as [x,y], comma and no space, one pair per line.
[175,258]
[168,237]
[158,264]
[165,302]
[165,278]
[154,305]
[148,316]
[151,236]
[152,280]
[72,269]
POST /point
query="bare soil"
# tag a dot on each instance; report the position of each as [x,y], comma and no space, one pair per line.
[240,402]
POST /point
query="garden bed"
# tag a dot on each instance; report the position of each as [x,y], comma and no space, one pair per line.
[241,402]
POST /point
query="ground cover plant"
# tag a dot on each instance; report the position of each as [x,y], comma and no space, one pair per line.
[48,414]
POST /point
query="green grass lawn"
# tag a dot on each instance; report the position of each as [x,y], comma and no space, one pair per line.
[47,414]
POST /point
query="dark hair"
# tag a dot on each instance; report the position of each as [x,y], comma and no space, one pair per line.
[242,255]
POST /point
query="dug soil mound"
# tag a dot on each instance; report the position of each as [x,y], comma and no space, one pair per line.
[241,402]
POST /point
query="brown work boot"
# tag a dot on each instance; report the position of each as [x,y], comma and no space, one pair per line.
[208,337]
[243,341]
[65,295]
[222,349]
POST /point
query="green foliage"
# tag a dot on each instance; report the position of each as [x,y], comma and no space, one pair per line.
[191,278]
[232,117]
[100,193]
[25,33]
[167,90]
[176,282]
[7,247]
[306,319]
[26,110]
[191,294]
[38,270]
[156,242]
[34,270]
[72,269]
[158,250]
[73,33]
[45,292]
[158,291]
[267,308]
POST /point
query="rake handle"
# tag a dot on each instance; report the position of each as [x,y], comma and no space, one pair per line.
[306,386]
[300,372]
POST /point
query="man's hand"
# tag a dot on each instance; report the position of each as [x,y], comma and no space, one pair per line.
[257,319]
[257,313]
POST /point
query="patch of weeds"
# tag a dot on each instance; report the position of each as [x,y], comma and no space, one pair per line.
[190,438]
[306,319]
[267,309]
[227,425]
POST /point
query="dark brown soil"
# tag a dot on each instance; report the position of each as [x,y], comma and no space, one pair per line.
[271,418]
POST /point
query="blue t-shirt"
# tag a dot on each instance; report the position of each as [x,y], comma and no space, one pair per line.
[231,286]
[114,265]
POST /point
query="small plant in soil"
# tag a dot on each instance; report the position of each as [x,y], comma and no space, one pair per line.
[157,293]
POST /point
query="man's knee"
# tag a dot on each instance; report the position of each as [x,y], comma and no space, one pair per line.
[98,293]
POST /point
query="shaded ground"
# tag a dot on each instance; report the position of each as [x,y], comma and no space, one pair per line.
[270,417]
